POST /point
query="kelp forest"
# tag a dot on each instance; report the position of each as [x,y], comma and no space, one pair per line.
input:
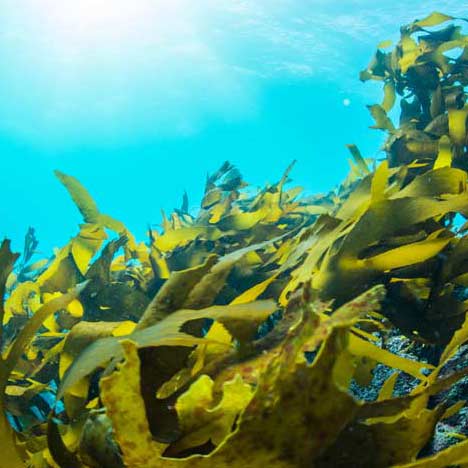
[269,329]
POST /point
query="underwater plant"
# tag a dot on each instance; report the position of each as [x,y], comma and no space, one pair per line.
[269,328]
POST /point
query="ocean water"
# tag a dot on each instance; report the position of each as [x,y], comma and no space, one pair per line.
[141,99]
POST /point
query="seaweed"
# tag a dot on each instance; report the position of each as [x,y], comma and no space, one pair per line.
[247,333]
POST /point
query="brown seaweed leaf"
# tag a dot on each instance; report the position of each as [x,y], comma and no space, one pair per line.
[271,417]
[241,320]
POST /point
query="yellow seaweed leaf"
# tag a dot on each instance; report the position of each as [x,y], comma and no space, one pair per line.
[379,182]
[458,339]
[433,19]
[360,347]
[382,121]
[409,53]
[407,254]
[120,393]
[26,334]
[240,320]
[75,308]
[457,125]
[384,44]
[402,437]
[86,205]
[80,196]
[174,292]
[203,420]
[24,299]
[388,386]
[85,245]
[358,159]
[444,157]
[173,238]
[389,96]
[454,455]
[252,293]
[435,183]
[8,443]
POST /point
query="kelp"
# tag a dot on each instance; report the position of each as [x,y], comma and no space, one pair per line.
[243,334]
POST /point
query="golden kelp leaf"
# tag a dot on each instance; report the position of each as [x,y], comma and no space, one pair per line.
[388,387]
[219,210]
[120,393]
[221,340]
[394,428]
[455,455]
[7,364]
[206,290]
[357,202]
[203,420]
[444,157]
[124,328]
[174,292]
[100,270]
[382,220]
[409,52]
[211,198]
[435,183]
[62,273]
[385,218]
[379,182]
[79,338]
[86,204]
[32,326]
[48,356]
[382,442]
[389,96]
[437,106]
[266,433]
[292,193]
[358,159]
[363,372]
[159,264]
[458,339]
[86,244]
[452,410]
[241,320]
[406,255]
[80,196]
[279,415]
[252,293]
[75,308]
[382,121]
[384,44]
[182,236]
[363,348]
[457,125]
[25,391]
[24,299]
[164,333]
[8,447]
[401,438]
[433,19]
[347,315]
[240,221]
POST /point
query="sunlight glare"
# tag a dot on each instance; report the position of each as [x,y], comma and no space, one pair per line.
[83,23]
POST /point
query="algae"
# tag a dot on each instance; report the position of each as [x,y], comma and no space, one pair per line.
[235,336]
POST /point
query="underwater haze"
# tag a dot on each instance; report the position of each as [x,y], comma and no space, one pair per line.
[140,99]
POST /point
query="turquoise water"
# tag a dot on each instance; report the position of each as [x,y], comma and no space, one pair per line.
[140,99]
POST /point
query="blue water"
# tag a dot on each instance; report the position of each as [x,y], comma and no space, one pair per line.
[140,99]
